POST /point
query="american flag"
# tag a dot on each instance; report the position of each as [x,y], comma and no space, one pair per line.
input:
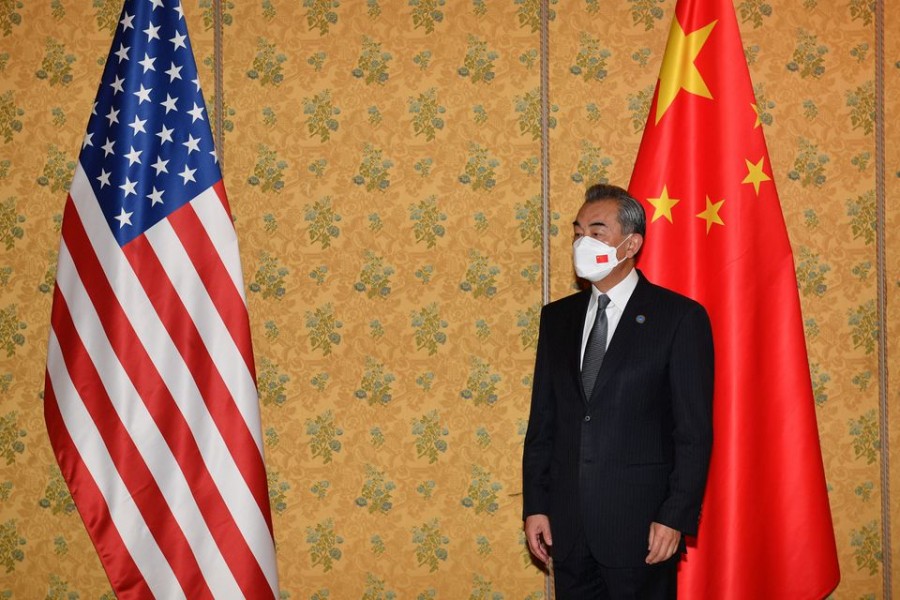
[150,398]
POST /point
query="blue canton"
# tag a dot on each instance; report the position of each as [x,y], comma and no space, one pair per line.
[148,148]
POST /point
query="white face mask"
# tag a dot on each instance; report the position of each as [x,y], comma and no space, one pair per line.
[594,259]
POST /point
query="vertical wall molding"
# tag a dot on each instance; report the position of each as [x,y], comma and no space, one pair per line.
[881,223]
[218,68]
[545,152]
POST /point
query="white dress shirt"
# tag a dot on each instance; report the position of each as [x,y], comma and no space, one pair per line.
[618,299]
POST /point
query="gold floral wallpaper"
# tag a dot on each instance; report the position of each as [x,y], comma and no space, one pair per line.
[382,159]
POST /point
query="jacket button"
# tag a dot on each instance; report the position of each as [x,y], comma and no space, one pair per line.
[587,418]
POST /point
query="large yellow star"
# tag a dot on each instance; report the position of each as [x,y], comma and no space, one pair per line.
[678,71]
[756,112]
[755,174]
[663,205]
[711,214]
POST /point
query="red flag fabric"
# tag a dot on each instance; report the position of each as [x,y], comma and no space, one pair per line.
[716,233]
[150,395]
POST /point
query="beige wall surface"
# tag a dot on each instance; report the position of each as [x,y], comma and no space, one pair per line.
[382,160]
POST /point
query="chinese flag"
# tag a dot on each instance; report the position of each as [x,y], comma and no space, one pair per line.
[716,233]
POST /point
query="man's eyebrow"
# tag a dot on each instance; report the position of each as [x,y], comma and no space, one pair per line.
[594,224]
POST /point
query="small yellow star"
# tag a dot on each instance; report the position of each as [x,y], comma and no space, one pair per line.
[663,205]
[755,174]
[678,71]
[711,214]
[756,112]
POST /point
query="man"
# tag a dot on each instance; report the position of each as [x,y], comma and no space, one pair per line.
[620,431]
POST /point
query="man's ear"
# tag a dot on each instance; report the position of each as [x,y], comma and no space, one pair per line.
[633,245]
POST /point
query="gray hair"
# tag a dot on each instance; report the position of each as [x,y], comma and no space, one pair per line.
[631,216]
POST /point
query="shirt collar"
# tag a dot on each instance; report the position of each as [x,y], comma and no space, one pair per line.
[620,293]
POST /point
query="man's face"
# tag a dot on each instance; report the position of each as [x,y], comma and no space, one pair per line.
[600,220]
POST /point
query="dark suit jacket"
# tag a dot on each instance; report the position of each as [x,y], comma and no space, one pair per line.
[638,450]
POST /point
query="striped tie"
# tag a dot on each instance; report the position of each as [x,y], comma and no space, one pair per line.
[596,347]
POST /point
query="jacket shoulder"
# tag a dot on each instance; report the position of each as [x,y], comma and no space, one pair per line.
[674,301]
[567,303]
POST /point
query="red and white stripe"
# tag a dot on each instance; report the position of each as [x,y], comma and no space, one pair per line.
[151,402]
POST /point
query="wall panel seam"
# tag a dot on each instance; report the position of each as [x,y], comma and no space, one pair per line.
[881,223]
[545,151]
[219,105]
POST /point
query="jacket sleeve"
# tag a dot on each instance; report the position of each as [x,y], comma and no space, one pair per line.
[538,450]
[691,383]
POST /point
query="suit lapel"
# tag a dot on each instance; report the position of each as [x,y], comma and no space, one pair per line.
[624,336]
[576,331]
